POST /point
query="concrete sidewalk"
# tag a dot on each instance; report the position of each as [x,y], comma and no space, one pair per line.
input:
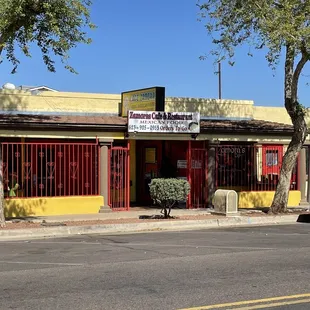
[114,223]
[132,214]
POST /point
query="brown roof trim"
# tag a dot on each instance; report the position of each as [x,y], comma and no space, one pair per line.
[63,122]
[70,127]
[116,123]
[245,126]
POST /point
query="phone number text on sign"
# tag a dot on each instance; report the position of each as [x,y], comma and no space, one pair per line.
[147,121]
[156,128]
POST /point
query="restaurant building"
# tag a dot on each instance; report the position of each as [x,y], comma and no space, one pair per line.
[75,153]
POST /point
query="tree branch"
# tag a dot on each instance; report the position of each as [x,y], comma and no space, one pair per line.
[303,60]
[289,69]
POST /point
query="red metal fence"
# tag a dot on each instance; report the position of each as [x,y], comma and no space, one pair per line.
[197,178]
[250,167]
[50,169]
[119,178]
[241,167]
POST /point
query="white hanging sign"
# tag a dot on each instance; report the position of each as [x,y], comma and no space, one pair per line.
[163,122]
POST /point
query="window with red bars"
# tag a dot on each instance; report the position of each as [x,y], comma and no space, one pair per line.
[50,169]
[250,167]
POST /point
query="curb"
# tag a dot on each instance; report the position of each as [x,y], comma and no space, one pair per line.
[65,231]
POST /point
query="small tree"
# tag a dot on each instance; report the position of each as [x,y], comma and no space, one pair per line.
[278,27]
[166,192]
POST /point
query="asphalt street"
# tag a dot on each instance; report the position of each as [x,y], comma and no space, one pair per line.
[233,268]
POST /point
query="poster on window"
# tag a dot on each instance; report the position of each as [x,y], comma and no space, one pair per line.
[196,164]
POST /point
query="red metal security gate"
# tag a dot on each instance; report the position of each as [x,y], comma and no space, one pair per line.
[50,169]
[250,167]
[197,177]
[119,177]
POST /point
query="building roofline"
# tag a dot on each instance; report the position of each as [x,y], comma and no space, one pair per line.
[116,123]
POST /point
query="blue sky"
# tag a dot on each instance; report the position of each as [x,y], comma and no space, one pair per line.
[144,43]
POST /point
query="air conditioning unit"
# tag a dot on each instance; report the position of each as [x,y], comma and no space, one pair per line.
[9,86]
[226,202]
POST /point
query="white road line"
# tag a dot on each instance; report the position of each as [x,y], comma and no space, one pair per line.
[40,263]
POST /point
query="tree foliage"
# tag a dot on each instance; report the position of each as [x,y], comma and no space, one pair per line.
[166,192]
[55,26]
[261,24]
[278,27]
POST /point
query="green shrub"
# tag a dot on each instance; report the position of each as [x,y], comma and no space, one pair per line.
[166,192]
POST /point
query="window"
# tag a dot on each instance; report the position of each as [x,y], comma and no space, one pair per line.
[272,158]
[50,169]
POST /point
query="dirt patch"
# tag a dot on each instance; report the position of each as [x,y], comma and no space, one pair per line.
[21,225]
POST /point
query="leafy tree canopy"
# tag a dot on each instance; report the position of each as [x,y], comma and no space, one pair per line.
[55,26]
[270,24]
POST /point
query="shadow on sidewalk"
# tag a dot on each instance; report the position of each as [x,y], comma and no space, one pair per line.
[304,218]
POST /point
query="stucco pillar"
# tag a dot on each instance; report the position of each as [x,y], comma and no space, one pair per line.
[211,173]
[302,176]
[104,177]
[308,179]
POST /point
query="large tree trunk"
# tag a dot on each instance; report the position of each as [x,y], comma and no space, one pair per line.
[280,200]
[2,218]
[297,115]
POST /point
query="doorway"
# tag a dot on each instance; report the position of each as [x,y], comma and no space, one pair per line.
[149,158]
[169,159]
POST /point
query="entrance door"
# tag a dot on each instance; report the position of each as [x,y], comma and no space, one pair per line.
[149,155]
[197,178]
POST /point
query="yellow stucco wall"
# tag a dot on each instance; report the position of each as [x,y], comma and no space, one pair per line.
[66,102]
[53,206]
[264,199]
[59,102]
[211,107]
[273,114]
